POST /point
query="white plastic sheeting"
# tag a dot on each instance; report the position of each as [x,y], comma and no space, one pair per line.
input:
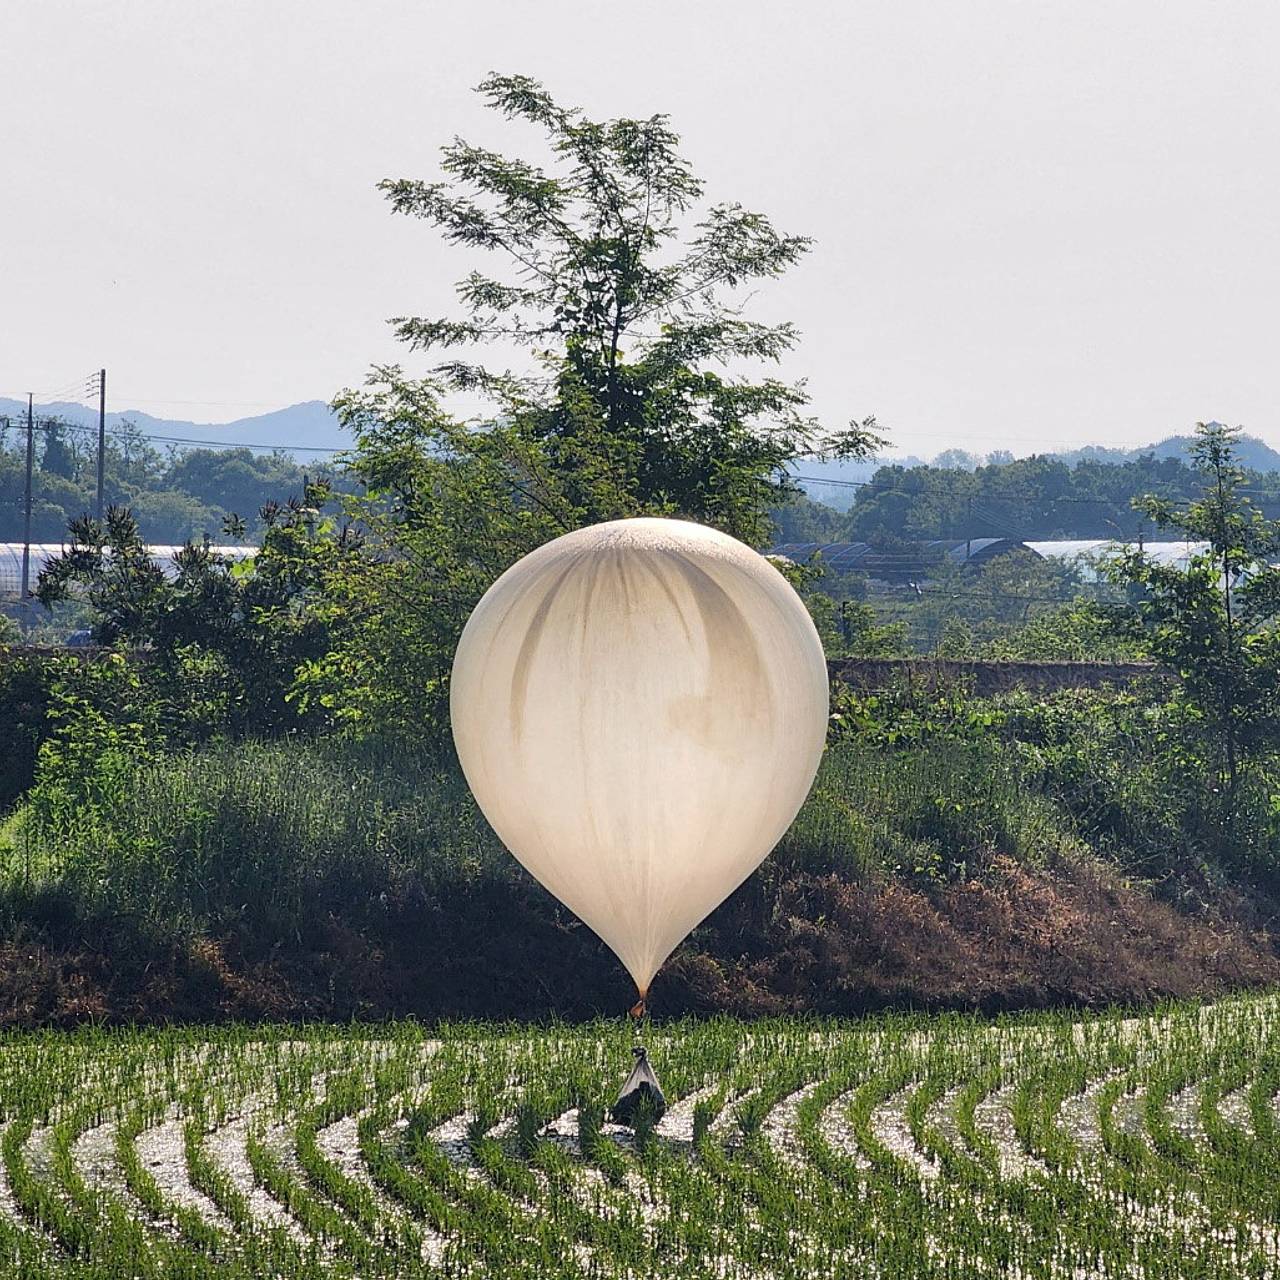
[640,708]
[43,552]
[1088,552]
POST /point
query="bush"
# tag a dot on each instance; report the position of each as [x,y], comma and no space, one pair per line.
[936,812]
[1125,765]
[262,838]
[26,681]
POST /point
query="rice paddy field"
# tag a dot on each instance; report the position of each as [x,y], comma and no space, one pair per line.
[1110,1146]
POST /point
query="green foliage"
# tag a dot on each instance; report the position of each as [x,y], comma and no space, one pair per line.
[266,838]
[1115,761]
[629,318]
[847,627]
[802,519]
[903,1147]
[935,812]
[1120,769]
[174,495]
[621,290]
[1214,623]
[1078,632]
[103,719]
[57,459]
[960,609]
[1036,498]
[853,628]
[446,510]
[26,682]
[1015,605]
[910,713]
[223,639]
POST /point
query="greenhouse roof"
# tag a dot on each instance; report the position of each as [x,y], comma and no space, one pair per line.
[43,552]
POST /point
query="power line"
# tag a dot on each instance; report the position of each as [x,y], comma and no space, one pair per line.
[52,421]
[92,387]
[236,444]
[67,393]
[207,404]
[993,597]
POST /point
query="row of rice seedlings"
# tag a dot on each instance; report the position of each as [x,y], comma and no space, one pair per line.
[1123,1182]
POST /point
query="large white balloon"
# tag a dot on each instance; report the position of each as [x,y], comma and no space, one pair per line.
[639,708]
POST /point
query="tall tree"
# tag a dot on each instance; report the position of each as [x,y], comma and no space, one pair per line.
[1215,622]
[59,456]
[622,289]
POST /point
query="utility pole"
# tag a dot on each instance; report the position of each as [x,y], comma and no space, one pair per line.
[102,433]
[26,518]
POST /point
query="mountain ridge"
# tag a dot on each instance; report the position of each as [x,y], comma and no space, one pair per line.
[307,427]
[311,426]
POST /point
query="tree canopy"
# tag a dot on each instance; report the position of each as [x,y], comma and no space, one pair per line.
[173,494]
[1036,498]
[621,290]
[1215,622]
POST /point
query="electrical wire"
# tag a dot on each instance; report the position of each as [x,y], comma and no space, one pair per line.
[1044,499]
[237,444]
[66,394]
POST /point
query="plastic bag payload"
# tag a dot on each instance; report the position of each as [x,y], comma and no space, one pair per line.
[641,1090]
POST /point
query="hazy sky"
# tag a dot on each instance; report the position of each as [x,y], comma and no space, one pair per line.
[1036,223]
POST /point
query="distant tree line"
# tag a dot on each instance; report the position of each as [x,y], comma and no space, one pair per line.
[174,495]
[1037,498]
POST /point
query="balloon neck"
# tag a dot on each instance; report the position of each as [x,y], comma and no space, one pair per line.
[641,1006]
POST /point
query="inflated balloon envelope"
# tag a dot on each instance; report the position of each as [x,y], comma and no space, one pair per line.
[640,708]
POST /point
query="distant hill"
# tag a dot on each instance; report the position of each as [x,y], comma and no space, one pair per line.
[302,427]
[1255,454]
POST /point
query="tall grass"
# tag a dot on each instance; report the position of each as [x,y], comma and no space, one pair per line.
[263,836]
[260,834]
[936,812]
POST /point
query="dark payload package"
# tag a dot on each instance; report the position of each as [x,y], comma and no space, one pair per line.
[642,1092]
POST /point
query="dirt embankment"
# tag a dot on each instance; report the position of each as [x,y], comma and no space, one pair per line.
[1012,938]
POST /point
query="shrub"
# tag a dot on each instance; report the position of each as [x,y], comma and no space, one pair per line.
[25,690]
[1126,766]
[333,878]
[934,812]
